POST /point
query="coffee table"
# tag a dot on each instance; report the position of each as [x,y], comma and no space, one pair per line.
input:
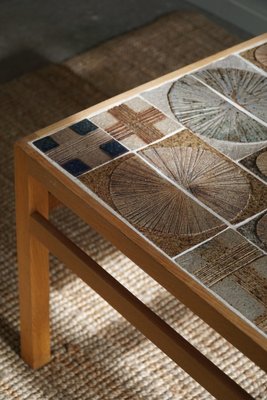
[174,174]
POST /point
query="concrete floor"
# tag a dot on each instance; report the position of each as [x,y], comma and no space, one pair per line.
[35,32]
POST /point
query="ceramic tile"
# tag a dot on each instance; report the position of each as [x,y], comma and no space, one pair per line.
[80,147]
[163,213]
[257,55]
[135,123]
[257,163]
[235,270]
[208,115]
[256,231]
[208,175]
[237,80]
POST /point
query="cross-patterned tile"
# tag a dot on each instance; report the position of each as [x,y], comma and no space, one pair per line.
[135,123]
[80,147]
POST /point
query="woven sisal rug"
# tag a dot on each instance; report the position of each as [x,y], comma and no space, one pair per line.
[96,354]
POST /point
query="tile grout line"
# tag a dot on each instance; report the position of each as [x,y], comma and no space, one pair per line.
[237,162]
[198,244]
[229,224]
[234,228]
[250,241]
[240,108]
[251,172]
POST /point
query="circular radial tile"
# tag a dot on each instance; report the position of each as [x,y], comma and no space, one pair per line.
[216,182]
[206,113]
[151,203]
[261,55]
[261,163]
[262,229]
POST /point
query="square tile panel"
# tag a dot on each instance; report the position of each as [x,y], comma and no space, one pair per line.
[208,175]
[238,81]
[257,55]
[158,209]
[235,270]
[257,163]
[256,231]
[135,123]
[207,114]
[80,147]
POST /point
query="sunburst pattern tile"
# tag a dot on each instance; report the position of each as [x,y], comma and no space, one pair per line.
[208,115]
[256,231]
[80,147]
[257,163]
[235,270]
[135,123]
[257,55]
[208,175]
[236,80]
[158,209]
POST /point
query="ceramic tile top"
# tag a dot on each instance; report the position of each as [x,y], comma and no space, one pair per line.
[185,165]
[235,270]
[257,163]
[209,176]
[257,55]
[80,147]
[158,209]
[135,123]
[239,83]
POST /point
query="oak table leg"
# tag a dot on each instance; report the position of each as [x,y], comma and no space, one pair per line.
[33,265]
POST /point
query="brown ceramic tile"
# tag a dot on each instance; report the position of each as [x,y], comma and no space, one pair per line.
[135,123]
[208,115]
[256,231]
[163,213]
[257,55]
[257,163]
[208,175]
[235,270]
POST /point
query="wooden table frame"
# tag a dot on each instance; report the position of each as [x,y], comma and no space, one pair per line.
[39,187]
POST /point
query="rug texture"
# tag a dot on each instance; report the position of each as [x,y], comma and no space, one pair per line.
[96,354]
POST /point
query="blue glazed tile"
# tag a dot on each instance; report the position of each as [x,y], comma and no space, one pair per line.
[45,144]
[75,167]
[83,127]
[113,148]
